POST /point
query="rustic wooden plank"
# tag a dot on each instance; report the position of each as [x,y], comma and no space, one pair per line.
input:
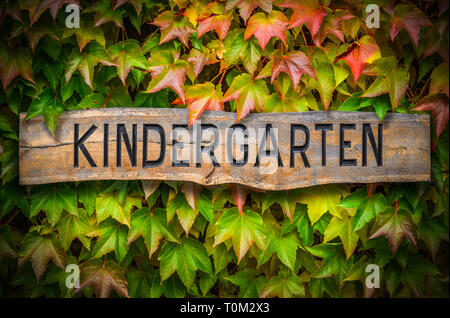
[405,148]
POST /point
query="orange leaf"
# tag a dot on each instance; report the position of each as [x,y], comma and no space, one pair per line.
[167,71]
[203,97]
[359,54]
[220,23]
[173,27]
[264,27]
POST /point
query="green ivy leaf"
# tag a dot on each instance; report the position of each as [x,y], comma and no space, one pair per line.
[283,286]
[249,282]
[116,205]
[243,229]
[344,229]
[432,232]
[321,199]
[395,82]
[112,236]
[303,225]
[139,283]
[47,105]
[86,61]
[152,225]
[53,199]
[237,49]
[85,33]
[205,205]
[185,213]
[87,193]
[127,55]
[7,247]
[367,208]
[221,257]
[287,201]
[72,226]
[185,258]
[13,195]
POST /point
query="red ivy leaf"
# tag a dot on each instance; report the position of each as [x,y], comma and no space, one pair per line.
[219,23]
[394,227]
[359,54]
[137,4]
[103,277]
[438,104]
[54,6]
[13,63]
[332,24]
[294,63]
[213,18]
[191,191]
[409,17]
[264,27]
[305,12]
[371,187]
[239,193]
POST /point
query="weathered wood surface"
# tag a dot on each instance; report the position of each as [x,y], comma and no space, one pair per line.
[405,150]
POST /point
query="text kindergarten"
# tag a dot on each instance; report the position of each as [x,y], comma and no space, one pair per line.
[267,151]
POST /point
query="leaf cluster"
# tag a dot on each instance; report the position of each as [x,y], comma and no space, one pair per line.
[177,239]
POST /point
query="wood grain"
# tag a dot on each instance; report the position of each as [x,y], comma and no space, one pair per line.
[405,151]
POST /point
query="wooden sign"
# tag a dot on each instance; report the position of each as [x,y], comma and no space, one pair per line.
[267,151]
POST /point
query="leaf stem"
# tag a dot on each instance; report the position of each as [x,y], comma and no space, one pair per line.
[220,293]
[410,97]
[107,98]
[411,94]
[218,74]
[422,91]
[12,217]
[221,78]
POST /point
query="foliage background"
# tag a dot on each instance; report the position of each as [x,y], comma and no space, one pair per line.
[152,239]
